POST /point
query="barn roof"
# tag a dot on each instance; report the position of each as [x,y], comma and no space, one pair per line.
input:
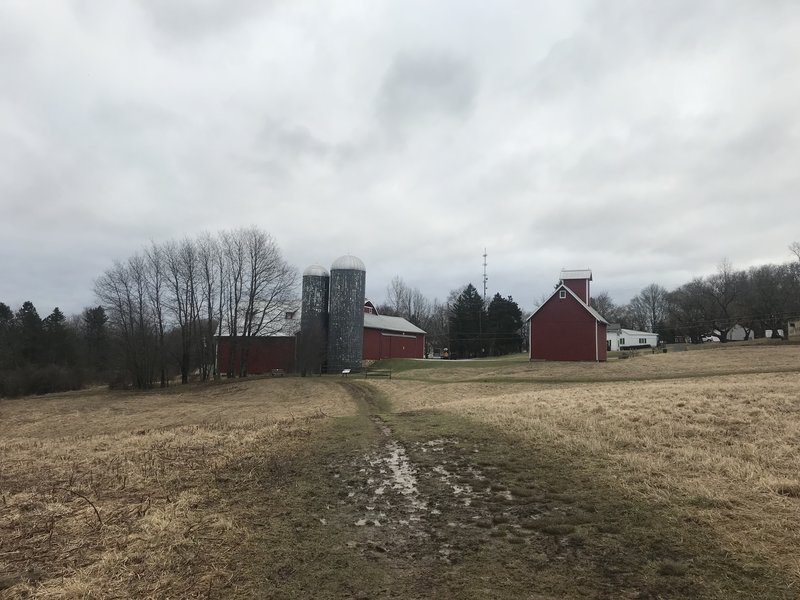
[634,332]
[280,319]
[387,323]
[576,274]
[591,311]
[280,324]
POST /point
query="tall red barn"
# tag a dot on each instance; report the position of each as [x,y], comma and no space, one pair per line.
[565,327]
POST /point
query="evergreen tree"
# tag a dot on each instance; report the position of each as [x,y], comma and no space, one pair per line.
[6,341]
[57,347]
[467,320]
[503,326]
[96,339]
[29,336]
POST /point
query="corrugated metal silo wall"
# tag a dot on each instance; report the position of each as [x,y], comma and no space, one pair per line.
[346,320]
[312,352]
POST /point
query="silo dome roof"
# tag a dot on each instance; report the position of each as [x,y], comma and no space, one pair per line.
[348,263]
[315,271]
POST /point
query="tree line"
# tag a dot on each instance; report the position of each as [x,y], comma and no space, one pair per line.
[41,355]
[464,323]
[759,300]
[167,304]
[159,316]
[160,312]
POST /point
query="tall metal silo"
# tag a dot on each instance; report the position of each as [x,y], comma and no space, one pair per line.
[346,315]
[313,344]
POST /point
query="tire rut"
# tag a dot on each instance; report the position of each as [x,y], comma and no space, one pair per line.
[427,501]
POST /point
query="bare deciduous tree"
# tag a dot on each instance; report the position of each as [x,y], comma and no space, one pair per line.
[649,307]
[177,294]
[603,304]
[407,302]
[123,291]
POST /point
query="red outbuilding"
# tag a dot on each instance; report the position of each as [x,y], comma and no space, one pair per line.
[391,337]
[565,327]
[264,354]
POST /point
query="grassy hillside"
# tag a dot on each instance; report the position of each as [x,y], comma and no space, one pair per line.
[661,476]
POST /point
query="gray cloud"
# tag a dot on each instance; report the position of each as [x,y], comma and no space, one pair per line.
[192,19]
[646,141]
[429,84]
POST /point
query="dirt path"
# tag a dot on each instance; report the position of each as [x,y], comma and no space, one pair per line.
[418,500]
[448,509]
[422,504]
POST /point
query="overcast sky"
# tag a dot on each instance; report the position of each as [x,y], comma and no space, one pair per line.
[644,140]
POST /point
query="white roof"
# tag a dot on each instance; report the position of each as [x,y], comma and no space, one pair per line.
[275,323]
[315,271]
[634,333]
[348,263]
[592,311]
[576,274]
[387,323]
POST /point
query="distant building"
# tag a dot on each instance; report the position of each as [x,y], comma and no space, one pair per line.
[273,348]
[565,327]
[382,337]
[737,333]
[391,337]
[618,338]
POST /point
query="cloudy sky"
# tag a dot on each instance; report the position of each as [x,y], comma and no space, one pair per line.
[645,140]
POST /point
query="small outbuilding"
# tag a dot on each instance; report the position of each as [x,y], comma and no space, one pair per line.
[391,337]
[618,338]
[565,327]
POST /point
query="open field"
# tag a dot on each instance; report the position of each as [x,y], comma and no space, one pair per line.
[662,476]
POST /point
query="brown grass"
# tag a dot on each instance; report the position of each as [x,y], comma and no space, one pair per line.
[721,359]
[138,511]
[724,450]
[152,495]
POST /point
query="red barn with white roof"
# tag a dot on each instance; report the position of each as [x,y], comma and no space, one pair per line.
[565,327]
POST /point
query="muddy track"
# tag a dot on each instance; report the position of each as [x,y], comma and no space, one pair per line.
[427,500]
[364,396]
[437,501]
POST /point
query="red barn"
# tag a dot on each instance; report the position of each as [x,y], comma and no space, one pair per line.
[391,337]
[264,353]
[565,327]
[384,337]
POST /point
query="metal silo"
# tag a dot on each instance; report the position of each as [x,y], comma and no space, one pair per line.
[314,319]
[346,315]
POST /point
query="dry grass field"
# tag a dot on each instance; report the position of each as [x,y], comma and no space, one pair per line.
[715,433]
[662,476]
[115,494]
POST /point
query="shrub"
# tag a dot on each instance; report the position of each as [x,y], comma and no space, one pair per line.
[46,379]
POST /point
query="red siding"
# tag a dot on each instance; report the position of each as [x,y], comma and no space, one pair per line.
[562,329]
[602,347]
[380,344]
[580,287]
[266,353]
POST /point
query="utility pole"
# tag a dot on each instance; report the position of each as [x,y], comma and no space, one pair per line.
[480,318]
[485,278]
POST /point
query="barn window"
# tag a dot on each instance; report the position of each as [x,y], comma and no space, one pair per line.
[562,294]
[642,340]
[290,315]
[621,341]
